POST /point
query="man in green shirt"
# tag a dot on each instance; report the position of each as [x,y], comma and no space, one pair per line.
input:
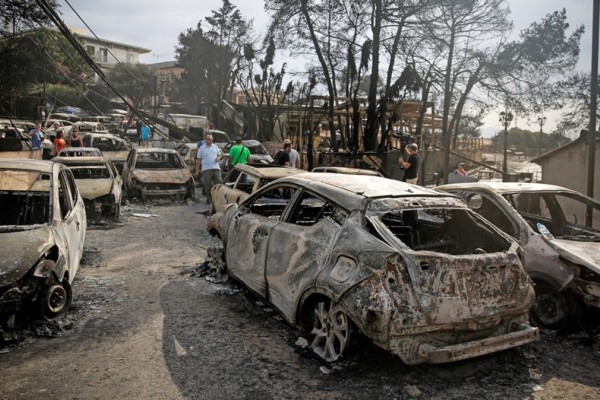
[238,154]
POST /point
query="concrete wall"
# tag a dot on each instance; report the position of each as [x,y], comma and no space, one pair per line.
[567,168]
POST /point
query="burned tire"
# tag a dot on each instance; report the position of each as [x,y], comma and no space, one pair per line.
[330,329]
[555,310]
[56,300]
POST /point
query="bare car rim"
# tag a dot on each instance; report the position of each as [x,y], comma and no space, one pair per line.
[553,309]
[331,329]
[56,300]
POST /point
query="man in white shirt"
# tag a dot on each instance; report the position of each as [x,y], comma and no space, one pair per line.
[207,161]
[294,156]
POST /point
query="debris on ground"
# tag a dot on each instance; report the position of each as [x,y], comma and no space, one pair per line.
[301,342]
[213,268]
[325,370]
[412,391]
[144,215]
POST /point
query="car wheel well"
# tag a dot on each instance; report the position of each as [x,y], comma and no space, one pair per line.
[304,312]
[52,253]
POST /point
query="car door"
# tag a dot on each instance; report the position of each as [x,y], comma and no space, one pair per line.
[69,227]
[299,247]
[249,233]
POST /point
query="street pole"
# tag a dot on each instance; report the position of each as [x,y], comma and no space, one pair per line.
[593,109]
[505,118]
[541,121]
[155,94]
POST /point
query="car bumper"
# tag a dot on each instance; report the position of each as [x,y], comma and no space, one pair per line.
[164,192]
[521,334]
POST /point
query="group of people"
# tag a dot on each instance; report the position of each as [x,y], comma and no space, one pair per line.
[144,133]
[56,139]
[410,164]
[209,157]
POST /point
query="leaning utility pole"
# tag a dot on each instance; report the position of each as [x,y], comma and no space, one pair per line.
[593,109]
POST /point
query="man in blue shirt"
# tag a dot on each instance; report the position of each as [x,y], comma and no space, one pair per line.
[36,137]
[207,161]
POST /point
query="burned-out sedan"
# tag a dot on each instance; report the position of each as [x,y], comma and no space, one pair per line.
[80,152]
[98,182]
[559,231]
[42,230]
[154,172]
[243,180]
[413,269]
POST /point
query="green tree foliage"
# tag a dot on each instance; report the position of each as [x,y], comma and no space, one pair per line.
[211,55]
[526,140]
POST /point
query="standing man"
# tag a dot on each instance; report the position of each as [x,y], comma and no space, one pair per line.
[207,162]
[36,137]
[282,157]
[411,166]
[238,154]
[294,156]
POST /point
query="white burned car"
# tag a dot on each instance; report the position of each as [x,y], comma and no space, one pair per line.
[564,263]
[413,269]
[99,184]
[42,231]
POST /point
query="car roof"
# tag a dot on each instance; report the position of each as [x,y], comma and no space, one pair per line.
[80,160]
[506,187]
[28,165]
[351,190]
[269,173]
[103,134]
[347,170]
[80,149]
[155,150]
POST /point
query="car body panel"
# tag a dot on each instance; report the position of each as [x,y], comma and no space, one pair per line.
[416,271]
[556,259]
[80,152]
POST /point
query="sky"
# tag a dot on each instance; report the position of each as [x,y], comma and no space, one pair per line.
[156,25]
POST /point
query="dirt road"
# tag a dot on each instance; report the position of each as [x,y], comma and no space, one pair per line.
[144,327]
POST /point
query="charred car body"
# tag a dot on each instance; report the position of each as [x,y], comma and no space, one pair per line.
[564,263]
[112,147]
[99,184]
[42,231]
[155,172]
[412,269]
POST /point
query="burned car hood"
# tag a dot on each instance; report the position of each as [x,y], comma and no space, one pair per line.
[584,253]
[162,175]
[93,188]
[21,250]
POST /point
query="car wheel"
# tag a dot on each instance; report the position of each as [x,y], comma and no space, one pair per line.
[555,310]
[331,330]
[56,300]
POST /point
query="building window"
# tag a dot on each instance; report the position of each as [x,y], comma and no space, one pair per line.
[130,58]
[91,50]
[103,55]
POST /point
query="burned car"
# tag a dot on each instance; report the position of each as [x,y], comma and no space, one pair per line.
[42,231]
[99,184]
[413,269]
[154,172]
[243,180]
[562,248]
[112,147]
[80,152]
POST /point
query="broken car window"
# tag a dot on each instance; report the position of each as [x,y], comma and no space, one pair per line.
[450,231]
[24,198]
[272,202]
[311,210]
[486,207]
